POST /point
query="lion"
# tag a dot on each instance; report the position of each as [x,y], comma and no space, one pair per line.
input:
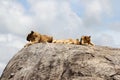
[72,41]
[86,40]
[35,37]
[76,41]
[67,41]
[59,41]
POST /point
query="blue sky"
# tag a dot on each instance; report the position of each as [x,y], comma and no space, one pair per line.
[25,4]
[58,18]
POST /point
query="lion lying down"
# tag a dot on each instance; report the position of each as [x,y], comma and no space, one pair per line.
[86,40]
[67,41]
[35,37]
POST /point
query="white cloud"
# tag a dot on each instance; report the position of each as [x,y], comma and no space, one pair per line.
[6,53]
[55,17]
[47,17]
[97,7]
[115,26]
[104,39]
[13,18]
[95,10]
[43,8]
[2,66]
[12,40]
[107,38]
[51,17]
[9,45]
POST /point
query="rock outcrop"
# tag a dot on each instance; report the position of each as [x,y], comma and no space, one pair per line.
[50,61]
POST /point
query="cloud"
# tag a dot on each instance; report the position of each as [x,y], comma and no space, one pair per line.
[115,26]
[52,17]
[55,17]
[107,38]
[12,40]
[13,18]
[10,44]
[95,10]
[2,66]
[104,39]
[47,17]
[6,53]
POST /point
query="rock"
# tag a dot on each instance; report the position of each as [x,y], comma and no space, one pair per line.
[50,61]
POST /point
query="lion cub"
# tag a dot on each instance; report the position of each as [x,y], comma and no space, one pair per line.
[35,37]
[67,41]
[86,40]
[74,41]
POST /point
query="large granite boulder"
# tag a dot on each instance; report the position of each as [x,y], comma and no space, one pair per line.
[50,61]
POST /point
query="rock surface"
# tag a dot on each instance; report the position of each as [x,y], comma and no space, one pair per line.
[64,62]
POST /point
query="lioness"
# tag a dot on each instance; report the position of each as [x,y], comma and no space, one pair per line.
[35,37]
[86,40]
[67,41]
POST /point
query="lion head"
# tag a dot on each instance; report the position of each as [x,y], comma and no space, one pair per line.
[87,39]
[30,36]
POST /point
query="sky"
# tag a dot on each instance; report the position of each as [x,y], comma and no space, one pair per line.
[59,18]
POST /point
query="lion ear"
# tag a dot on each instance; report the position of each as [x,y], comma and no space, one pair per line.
[32,32]
[89,36]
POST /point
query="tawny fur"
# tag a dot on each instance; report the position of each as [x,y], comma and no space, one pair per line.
[67,41]
[35,37]
[86,40]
